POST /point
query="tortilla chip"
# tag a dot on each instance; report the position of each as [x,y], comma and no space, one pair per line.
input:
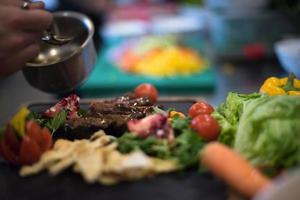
[98,159]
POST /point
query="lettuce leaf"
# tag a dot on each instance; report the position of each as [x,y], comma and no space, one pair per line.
[269,132]
[228,130]
[229,113]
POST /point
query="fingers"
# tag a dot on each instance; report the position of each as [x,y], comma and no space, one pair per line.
[18,4]
[16,62]
[15,41]
[27,54]
[15,3]
[20,33]
[33,19]
[29,20]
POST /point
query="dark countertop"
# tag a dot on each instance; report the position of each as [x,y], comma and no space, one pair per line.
[239,76]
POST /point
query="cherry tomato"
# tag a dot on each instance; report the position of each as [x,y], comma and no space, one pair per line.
[30,151]
[206,126]
[200,108]
[146,90]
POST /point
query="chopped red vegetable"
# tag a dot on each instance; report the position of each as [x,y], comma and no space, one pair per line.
[70,103]
[154,125]
[28,149]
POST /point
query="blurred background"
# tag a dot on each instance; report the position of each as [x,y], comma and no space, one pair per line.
[186,48]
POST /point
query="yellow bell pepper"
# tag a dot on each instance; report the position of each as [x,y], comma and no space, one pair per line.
[281,86]
[19,120]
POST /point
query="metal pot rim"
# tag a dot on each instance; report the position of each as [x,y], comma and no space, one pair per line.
[91,30]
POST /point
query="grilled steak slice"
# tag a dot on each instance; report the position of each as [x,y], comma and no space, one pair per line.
[133,100]
[111,116]
[100,108]
[84,127]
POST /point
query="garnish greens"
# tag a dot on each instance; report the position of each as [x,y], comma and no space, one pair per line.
[157,110]
[184,148]
[151,145]
[179,123]
[52,124]
[81,112]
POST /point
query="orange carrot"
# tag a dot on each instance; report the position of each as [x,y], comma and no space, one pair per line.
[236,171]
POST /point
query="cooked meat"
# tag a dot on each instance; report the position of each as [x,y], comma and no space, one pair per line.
[133,100]
[103,108]
[111,116]
[85,126]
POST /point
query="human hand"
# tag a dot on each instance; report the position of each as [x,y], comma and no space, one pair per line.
[20,33]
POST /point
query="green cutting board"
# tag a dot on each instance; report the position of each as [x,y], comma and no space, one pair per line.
[108,80]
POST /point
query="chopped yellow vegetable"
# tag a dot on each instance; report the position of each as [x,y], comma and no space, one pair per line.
[19,120]
[174,113]
[169,62]
[281,86]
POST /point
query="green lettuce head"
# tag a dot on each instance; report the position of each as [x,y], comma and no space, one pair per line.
[268,133]
[228,115]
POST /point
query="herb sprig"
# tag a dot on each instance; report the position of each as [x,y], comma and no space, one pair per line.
[184,148]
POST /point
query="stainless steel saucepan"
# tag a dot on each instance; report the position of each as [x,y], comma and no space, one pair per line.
[62,68]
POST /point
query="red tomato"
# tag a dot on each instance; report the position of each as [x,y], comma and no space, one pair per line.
[27,150]
[30,151]
[46,141]
[146,90]
[206,126]
[34,131]
[11,140]
[1,151]
[200,108]
[8,153]
[41,136]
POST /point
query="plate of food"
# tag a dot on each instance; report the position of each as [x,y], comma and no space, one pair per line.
[171,63]
[138,146]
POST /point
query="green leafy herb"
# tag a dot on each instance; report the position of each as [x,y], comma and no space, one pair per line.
[187,147]
[179,123]
[151,145]
[158,110]
[57,121]
[170,110]
[81,112]
[52,124]
[37,117]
